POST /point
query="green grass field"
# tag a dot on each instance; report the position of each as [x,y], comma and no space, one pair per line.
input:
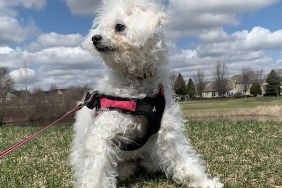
[241,153]
[243,106]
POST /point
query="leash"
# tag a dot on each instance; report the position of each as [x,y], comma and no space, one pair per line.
[150,107]
[36,134]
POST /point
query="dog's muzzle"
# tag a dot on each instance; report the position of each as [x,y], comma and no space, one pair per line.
[97,42]
[96,39]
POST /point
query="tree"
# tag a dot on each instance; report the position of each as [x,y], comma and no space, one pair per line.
[199,79]
[179,85]
[6,82]
[255,89]
[221,79]
[279,74]
[53,87]
[27,81]
[258,76]
[6,85]
[247,76]
[273,84]
[191,89]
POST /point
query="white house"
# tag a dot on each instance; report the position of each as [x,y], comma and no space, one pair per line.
[236,87]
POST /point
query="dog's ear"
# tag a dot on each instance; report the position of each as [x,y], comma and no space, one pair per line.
[155,17]
[144,22]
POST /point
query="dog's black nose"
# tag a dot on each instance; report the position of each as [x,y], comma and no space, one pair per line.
[96,38]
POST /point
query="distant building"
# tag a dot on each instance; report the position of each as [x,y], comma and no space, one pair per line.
[8,97]
[237,87]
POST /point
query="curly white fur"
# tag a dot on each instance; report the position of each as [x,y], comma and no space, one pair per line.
[136,56]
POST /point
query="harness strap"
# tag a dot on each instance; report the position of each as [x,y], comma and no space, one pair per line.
[150,107]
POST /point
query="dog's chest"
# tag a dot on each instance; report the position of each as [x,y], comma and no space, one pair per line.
[122,125]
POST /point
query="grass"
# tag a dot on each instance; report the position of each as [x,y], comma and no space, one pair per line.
[254,106]
[41,163]
[241,153]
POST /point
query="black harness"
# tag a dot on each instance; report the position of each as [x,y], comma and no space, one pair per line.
[150,107]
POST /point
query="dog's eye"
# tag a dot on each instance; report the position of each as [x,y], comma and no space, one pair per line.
[120,27]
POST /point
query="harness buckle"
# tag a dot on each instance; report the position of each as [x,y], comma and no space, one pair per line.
[92,100]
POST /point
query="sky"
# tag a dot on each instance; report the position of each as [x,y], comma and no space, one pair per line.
[42,39]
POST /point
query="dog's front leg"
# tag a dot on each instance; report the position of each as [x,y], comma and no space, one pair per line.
[94,156]
[99,168]
[176,156]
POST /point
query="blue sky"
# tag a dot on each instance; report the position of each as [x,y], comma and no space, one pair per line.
[56,17]
[267,17]
[45,36]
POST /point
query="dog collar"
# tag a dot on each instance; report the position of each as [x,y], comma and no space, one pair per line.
[150,107]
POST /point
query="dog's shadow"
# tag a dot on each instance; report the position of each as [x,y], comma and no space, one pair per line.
[144,179]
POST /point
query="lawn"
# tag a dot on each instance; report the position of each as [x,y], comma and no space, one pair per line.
[241,153]
[253,106]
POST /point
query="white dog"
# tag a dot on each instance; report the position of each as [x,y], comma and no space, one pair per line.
[111,140]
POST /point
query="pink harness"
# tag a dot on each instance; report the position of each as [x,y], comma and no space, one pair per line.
[150,107]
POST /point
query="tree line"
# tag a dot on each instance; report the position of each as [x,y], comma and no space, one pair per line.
[36,105]
[250,79]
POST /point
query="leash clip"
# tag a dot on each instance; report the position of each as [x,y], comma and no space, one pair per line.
[92,100]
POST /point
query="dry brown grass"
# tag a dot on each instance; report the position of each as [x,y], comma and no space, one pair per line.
[259,112]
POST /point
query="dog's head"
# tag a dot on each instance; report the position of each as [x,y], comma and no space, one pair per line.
[127,34]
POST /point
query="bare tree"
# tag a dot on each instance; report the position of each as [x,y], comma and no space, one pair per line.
[258,76]
[199,79]
[27,84]
[53,87]
[247,77]
[6,82]
[221,83]
[6,85]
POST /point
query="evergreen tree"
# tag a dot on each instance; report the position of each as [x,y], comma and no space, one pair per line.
[255,89]
[273,85]
[191,89]
[179,85]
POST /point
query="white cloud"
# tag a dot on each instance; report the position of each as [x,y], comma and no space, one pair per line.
[61,57]
[189,17]
[11,58]
[83,7]
[13,30]
[24,77]
[218,44]
[50,40]
[222,6]
[63,66]
[32,4]
[213,35]
[260,38]
[239,49]
[5,50]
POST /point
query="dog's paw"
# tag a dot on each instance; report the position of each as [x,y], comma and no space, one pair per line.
[212,183]
[125,170]
[208,183]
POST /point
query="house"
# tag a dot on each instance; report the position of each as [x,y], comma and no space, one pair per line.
[48,97]
[236,87]
[211,92]
[8,97]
